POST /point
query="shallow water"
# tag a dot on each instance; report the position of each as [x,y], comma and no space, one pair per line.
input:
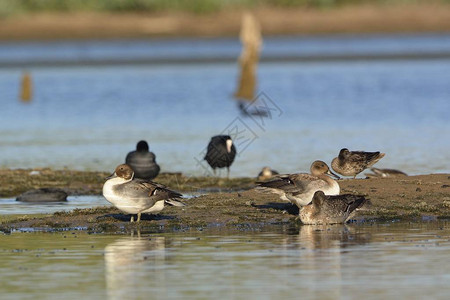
[9,206]
[354,261]
[90,117]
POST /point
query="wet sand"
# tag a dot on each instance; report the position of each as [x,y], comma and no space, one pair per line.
[231,204]
[431,17]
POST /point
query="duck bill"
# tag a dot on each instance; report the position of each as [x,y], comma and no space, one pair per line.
[111,176]
[332,174]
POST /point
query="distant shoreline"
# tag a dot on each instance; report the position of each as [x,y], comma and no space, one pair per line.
[219,59]
[362,19]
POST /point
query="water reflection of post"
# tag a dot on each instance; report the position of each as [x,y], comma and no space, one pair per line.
[133,268]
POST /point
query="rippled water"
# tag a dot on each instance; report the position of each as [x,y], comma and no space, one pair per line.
[10,206]
[90,117]
[395,260]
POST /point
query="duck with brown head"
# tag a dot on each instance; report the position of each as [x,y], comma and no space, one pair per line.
[330,209]
[299,188]
[137,196]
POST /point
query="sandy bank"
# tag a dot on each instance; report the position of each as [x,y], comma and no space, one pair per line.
[275,21]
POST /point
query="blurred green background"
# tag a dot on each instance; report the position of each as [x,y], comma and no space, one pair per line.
[11,7]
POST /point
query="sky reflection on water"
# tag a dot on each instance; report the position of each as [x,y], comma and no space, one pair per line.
[354,261]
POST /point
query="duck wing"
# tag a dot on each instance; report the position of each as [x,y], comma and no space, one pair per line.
[290,183]
[156,190]
[365,157]
[346,203]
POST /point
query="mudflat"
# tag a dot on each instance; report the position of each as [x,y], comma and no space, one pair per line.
[220,202]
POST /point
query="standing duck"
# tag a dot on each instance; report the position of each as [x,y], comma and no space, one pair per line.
[137,196]
[351,163]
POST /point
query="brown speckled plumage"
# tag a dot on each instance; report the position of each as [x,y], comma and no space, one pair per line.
[299,188]
[351,163]
[330,209]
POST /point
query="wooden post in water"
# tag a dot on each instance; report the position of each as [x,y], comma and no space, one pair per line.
[251,41]
[26,92]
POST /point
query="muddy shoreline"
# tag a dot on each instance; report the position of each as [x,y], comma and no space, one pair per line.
[411,18]
[223,203]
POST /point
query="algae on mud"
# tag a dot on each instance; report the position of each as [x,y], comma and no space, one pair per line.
[232,204]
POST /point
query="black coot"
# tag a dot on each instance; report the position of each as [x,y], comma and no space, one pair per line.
[142,161]
[220,153]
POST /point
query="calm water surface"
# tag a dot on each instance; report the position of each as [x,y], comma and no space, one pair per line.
[9,206]
[355,261]
[90,117]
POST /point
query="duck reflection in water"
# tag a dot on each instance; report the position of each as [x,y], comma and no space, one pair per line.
[131,263]
[323,253]
[325,237]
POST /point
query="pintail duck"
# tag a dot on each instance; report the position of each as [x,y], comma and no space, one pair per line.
[220,153]
[137,196]
[143,162]
[299,188]
[385,173]
[330,209]
[351,163]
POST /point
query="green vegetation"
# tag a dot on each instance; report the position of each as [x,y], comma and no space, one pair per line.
[11,7]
